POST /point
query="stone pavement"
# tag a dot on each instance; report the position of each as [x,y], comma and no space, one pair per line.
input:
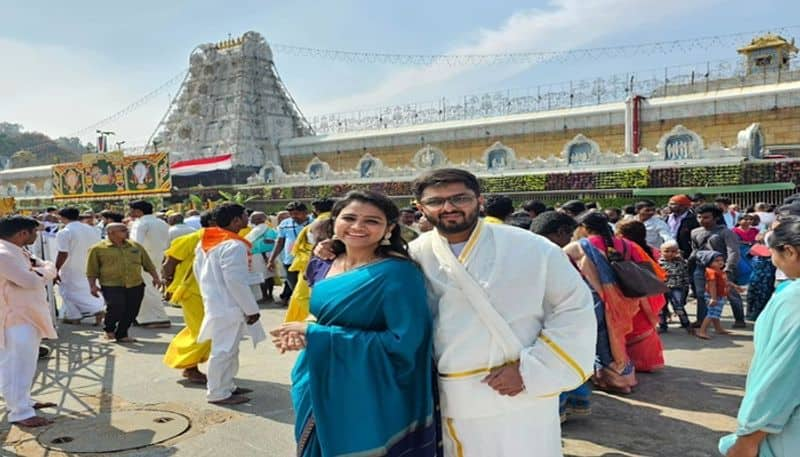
[108,391]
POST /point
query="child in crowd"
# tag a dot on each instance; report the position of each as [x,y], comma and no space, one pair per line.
[678,284]
[747,230]
[716,291]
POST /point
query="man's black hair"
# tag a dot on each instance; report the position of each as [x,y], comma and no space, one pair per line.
[291,206]
[644,204]
[11,225]
[225,213]
[551,222]
[710,208]
[206,217]
[499,206]
[70,213]
[323,205]
[535,206]
[143,206]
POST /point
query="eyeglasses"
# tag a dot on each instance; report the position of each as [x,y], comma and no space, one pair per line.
[455,200]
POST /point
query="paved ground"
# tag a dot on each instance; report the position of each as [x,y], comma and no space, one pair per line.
[681,411]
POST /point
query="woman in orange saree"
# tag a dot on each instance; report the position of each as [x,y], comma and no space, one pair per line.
[595,241]
[644,344]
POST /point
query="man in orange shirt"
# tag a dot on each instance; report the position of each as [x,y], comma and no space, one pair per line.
[25,314]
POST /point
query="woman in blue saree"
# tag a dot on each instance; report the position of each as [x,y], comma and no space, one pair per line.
[362,386]
[769,416]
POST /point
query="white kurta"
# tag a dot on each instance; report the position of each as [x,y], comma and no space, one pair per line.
[76,238]
[153,234]
[179,230]
[510,296]
[257,263]
[224,280]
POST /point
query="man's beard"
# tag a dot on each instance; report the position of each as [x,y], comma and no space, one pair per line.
[449,229]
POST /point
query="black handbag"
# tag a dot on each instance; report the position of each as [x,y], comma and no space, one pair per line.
[635,279]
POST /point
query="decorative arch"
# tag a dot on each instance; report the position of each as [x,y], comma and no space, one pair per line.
[29,189]
[680,144]
[580,150]
[270,173]
[751,140]
[498,157]
[11,190]
[317,169]
[429,157]
[369,166]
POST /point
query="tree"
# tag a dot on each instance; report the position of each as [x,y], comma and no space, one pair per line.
[23,158]
[238,197]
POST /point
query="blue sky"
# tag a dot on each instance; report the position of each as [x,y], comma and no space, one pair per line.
[66,65]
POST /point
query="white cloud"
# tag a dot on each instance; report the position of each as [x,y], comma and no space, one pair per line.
[565,24]
[57,91]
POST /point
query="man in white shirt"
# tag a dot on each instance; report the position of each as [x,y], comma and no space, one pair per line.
[176,226]
[153,234]
[658,231]
[73,242]
[508,338]
[221,265]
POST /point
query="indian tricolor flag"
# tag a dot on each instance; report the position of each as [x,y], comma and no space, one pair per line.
[195,166]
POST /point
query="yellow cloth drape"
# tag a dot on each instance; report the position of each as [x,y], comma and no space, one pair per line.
[301,296]
[184,351]
[493,220]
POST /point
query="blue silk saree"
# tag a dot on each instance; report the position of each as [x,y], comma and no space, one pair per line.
[363,385]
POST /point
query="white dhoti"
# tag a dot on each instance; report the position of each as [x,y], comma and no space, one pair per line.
[514,433]
[17,369]
[223,363]
[152,310]
[260,272]
[493,310]
[77,301]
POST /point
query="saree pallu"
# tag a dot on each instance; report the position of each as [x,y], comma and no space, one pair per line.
[644,344]
[363,385]
[618,374]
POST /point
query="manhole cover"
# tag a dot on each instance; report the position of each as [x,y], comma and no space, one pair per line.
[112,432]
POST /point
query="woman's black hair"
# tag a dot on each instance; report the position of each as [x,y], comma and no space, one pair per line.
[635,231]
[787,233]
[397,245]
[597,223]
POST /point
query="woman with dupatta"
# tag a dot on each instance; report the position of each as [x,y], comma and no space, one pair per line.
[769,416]
[362,385]
[644,344]
[595,241]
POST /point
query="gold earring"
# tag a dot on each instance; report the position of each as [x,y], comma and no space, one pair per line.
[385,241]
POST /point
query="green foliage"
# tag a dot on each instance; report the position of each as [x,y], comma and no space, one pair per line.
[238,197]
[39,149]
[623,179]
[710,176]
[525,183]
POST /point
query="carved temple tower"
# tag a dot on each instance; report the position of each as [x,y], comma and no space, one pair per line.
[231,102]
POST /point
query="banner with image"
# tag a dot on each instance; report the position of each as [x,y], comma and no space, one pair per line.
[112,175]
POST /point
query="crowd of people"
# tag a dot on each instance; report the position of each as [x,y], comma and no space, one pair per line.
[454,327]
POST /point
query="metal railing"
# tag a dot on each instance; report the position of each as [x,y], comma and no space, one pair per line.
[676,80]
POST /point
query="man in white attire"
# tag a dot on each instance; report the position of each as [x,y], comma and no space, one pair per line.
[73,242]
[25,318]
[258,221]
[153,234]
[222,268]
[514,324]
